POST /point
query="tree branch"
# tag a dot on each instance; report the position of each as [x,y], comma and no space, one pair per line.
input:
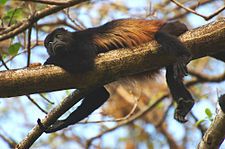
[215,134]
[196,13]
[49,2]
[36,132]
[25,24]
[110,66]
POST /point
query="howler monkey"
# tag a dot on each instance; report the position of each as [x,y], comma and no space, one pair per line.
[75,52]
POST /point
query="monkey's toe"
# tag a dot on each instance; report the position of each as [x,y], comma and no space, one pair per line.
[180,118]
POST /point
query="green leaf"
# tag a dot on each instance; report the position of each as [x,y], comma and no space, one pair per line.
[123,139]
[199,122]
[208,112]
[13,14]
[2,2]
[14,48]
[4,56]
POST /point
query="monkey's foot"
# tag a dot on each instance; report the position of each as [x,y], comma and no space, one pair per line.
[53,128]
[183,108]
[180,68]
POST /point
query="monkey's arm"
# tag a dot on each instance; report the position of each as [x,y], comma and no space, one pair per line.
[180,94]
[69,63]
[90,103]
[175,72]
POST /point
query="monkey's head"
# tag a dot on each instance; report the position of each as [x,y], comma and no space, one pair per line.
[58,42]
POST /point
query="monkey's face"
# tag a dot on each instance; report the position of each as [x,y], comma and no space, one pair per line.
[57,42]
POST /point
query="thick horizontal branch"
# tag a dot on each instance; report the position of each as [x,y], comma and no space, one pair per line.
[112,65]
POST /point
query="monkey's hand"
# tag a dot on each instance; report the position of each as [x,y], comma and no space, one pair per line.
[183,108]
[180,66]
[53,128]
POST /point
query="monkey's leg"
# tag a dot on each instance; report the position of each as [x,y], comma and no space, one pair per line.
[175,73]
[90,103]
[180,94]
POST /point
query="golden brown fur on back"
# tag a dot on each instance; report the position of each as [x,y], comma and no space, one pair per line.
[125,33]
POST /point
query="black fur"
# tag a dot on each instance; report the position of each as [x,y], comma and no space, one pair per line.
[75,52]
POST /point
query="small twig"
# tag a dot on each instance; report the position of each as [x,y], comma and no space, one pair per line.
[182,14]
[29,46]
[36,104]
[77,26]
[164,116]
[118,119]
[12,143]
[196,13]
[201,78]
[13,14]
[46,99]
[3,62]
[48,2]
[10,58]
[80,22]
[216,13]
[36,27]
[56,24]
[131,112]
[10,21]
[2,23]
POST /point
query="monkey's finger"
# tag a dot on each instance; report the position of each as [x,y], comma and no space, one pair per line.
[180,118]
[183,69]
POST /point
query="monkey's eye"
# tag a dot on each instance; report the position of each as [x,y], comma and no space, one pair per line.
[59,36]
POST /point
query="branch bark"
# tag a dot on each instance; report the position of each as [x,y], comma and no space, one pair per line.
[112,65]
[36,132]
